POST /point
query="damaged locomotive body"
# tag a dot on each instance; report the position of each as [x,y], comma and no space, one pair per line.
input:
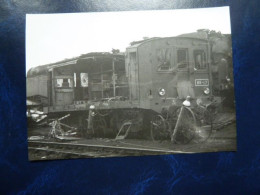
[141,91]
[192,70]
[72,86]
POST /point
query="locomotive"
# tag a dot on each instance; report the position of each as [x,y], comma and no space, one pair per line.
[160,87]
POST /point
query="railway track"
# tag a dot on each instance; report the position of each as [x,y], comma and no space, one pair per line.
[49,150]
[56,150]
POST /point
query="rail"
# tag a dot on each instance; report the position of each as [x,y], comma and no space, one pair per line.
[92,150]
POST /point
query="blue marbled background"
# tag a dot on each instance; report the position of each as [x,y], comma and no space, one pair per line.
[212,173]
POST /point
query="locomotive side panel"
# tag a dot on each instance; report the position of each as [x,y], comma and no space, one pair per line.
[37,85]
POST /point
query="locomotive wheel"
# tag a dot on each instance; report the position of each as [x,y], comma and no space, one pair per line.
[185,127]
[99,127]
[158,128]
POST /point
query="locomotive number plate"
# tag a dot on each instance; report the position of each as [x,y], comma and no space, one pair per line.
[201,82]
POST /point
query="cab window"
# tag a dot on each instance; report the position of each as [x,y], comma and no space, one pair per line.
[199,59]
[164,59]
[182,58]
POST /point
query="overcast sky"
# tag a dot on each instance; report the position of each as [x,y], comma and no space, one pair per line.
[54,37]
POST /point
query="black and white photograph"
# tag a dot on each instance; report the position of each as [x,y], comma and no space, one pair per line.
[113,84]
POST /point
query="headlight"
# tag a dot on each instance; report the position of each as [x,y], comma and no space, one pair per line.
[162,92]
[186,102]
[206,91]
[228,79]
[91,107]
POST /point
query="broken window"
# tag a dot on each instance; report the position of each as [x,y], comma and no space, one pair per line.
[164,58]
[199,59]
[67,83]
[182,58]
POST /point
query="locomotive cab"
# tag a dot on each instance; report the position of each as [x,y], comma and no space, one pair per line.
[162,70]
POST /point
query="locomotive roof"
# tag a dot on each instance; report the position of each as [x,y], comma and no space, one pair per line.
[43,69]
[200,35]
